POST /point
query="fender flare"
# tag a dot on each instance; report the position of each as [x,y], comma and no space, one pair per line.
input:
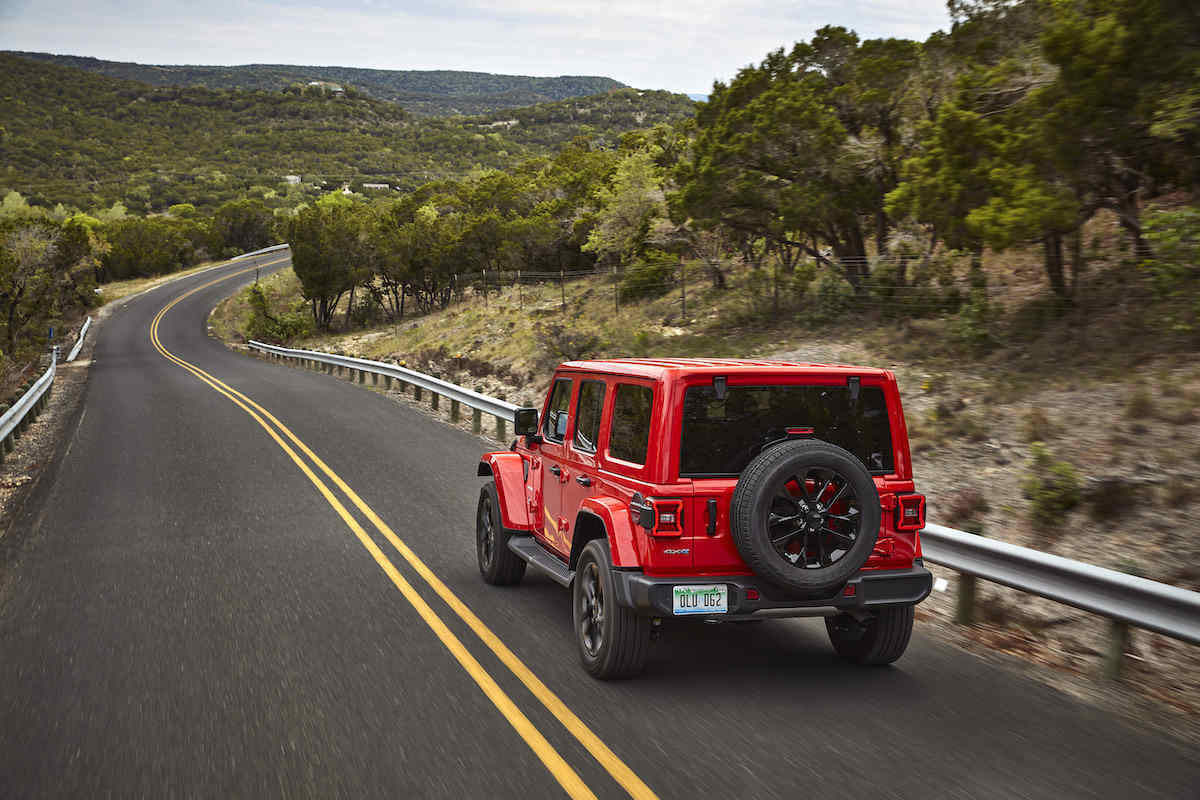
[613,515]
[508,471]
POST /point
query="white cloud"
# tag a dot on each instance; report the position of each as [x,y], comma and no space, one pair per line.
[676,45]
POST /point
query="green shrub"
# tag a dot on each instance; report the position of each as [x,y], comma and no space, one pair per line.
[651,277]
[1174,237]
[264,326]
[559,343]
[973,325]
[831,297]
[1053,486]
[1037,425]
[927,291]
[1140,405]
[966,510]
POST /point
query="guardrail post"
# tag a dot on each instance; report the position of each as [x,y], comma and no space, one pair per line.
[434,398]
[454,411]
[374,378]
[964,606]
[500,428]
[387,382]
[416,393]
[476,421]
[1118,642]
[8,443]
[362,376]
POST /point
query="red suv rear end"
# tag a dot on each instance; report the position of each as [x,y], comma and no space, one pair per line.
[718,489]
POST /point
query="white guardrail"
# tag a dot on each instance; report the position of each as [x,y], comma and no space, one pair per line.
[15,420]
[264,251]
[1124,599]
[87,323]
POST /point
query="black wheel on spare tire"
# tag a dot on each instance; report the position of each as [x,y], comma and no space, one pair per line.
[805,516]
[880,638]
[498,565]
[613,641]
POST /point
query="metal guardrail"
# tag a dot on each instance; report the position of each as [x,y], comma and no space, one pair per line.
[1124,599]
[1127,600]
[15,420]
[480,403]
[87,323]
[273,248]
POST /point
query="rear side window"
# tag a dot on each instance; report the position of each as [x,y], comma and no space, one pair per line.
[720,437]
[629,437]
[588,409]
[554,427]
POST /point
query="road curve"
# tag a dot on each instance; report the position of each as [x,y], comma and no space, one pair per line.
[192,614]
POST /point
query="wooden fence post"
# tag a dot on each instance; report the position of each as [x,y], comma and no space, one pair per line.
[964,607]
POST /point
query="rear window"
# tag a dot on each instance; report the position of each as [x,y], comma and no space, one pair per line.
[629,436]
[720,437]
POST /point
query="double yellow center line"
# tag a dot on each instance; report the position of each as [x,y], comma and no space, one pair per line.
[554,762]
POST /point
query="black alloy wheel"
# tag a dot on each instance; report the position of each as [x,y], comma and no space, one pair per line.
[815,517]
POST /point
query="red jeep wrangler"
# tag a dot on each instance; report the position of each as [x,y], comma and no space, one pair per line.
[718,489]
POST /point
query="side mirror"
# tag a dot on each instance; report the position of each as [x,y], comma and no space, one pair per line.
[525,422]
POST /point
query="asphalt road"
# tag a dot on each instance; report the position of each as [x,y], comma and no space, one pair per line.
[190,614]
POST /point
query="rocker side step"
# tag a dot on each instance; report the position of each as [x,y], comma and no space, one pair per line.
[537,556]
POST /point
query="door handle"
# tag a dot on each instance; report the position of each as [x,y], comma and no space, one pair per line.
[556,469]
[583,480]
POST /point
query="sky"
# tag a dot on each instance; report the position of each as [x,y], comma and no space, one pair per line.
[680,45]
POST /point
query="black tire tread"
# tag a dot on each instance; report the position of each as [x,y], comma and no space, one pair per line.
[627,642]
[507,567]
[884,642]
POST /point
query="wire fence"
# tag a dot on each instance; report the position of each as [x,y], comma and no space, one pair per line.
[1104,308]
[696,287]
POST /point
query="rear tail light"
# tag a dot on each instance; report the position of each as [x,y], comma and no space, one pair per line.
[910,512]
[668,518]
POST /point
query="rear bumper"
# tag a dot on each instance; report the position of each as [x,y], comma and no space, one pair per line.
[652,596]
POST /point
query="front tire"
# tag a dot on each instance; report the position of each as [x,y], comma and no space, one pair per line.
[880,639]
[613,641]
[498,565]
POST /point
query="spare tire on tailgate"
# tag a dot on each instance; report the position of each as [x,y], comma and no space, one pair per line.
[805,516]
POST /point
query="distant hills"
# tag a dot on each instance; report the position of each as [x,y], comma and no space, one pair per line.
[421,92]
[83,139]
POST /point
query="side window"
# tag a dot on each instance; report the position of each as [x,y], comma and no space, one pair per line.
[588,410]
[554,427]
[629,437]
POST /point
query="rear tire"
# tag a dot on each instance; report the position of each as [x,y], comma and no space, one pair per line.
[879,639]
[613,641]
[498,565]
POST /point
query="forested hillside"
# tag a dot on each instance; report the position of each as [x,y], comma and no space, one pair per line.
[73,137]
[421,92]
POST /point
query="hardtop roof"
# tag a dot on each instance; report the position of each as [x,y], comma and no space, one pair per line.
[673,368]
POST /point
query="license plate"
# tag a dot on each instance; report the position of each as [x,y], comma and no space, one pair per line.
[710,599]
